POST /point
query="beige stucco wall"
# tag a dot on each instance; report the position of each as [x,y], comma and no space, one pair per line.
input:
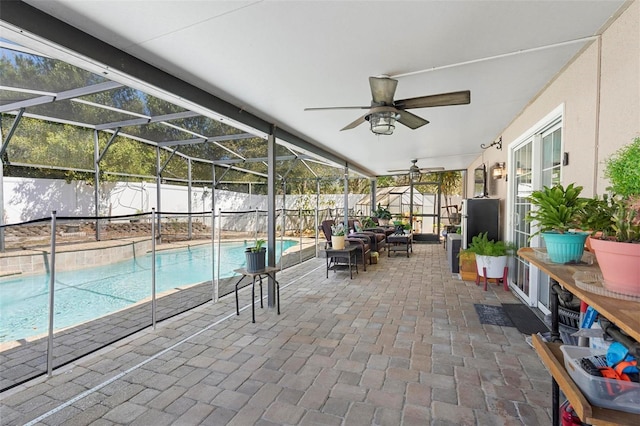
[600,92]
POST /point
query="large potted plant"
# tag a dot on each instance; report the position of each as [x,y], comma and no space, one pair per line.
[559,213]
[491,256]
[383,214]
[256,257]
[618,248]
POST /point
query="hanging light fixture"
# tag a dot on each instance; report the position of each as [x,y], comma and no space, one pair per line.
[383,122]
[414,172]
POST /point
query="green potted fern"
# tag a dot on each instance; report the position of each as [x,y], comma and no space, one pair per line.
[618,248]
[559,214]
[491,256]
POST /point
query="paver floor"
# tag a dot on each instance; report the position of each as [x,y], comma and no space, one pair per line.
[400,344]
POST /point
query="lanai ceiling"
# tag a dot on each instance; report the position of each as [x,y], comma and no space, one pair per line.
[275,58]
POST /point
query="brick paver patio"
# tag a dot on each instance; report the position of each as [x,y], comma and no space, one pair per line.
[400,344]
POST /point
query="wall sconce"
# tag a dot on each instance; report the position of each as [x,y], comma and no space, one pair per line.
[496,143]
[499,171]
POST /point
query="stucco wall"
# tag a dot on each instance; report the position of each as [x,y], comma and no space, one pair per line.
[600,92]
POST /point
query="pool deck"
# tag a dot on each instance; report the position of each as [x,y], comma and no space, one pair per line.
[398,344]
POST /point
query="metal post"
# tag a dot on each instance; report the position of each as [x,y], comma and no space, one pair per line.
[284,220]
[158,192]
[300,233]
[317,217]
[410,203]
[96,179]
[374,194]
[1,202]
[153,267]
[214,276]
[218,252]
[271,214]
[189,224]
[52,281]
[255,227]
[346,197]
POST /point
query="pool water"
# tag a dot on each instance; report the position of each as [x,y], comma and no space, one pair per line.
[87,294]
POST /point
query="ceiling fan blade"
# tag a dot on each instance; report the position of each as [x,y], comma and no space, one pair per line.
[344,107]
[412,121]
[398,171]
[382,89]
[431,169]
[354,124]
[442,99]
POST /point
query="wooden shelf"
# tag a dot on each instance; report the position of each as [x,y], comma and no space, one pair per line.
[623,313]
[552,357]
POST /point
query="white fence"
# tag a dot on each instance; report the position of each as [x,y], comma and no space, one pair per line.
[26,199]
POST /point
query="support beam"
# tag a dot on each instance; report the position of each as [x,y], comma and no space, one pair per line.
[158,192]
[96,179]
[346,196]
[374,191]
[106,148]
[14,126]
[189,206]
[271,214]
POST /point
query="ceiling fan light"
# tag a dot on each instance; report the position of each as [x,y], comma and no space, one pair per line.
[382,123]
[414,174]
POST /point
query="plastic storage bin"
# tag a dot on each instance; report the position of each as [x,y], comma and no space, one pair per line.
[608,393]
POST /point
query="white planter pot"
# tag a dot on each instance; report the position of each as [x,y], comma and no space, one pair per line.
[494,265]
[337,242]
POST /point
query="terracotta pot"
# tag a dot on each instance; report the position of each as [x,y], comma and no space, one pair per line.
[619,264]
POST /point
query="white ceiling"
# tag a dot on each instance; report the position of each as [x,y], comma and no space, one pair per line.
[273,58]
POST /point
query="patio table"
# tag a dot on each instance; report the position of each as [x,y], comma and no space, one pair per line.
[399,242]
[269,271]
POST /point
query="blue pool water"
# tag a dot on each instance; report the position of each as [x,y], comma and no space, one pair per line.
[86,294]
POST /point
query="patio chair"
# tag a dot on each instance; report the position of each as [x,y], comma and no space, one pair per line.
[362,242]
[377,235]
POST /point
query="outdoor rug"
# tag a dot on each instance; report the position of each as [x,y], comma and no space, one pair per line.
[524,319]
[493,315]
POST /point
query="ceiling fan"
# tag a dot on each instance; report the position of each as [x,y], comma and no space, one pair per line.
[414,171]
[384,111]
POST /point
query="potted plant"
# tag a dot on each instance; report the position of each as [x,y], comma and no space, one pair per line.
[383,214]
[368,223]
[337,236]
[491,256]
[256,256]
[559,214]
[618,248]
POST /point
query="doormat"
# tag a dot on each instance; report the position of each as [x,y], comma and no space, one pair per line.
[524,319]
[493,315]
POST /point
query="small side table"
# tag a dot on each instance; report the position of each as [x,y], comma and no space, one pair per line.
[399,242]
[342,259]
[269,271]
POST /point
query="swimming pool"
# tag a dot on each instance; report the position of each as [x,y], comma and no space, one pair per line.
[87,294]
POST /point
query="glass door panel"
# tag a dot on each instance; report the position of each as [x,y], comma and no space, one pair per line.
[551,167]
[522,187]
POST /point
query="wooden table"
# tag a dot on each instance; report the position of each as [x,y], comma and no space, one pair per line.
[623,313]
[339,259]
[399,242]
[269,271]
